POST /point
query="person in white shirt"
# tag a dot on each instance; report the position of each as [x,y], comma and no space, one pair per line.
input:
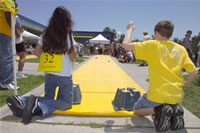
[198,61]
[56,51]
[20,48]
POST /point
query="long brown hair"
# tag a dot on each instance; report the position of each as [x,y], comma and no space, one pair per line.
[55,38]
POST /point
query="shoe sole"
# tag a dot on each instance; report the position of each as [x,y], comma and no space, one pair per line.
[177,118]
[163,123]
[14,106]
[27,113]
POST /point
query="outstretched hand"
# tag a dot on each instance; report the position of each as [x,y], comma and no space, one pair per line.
[126,44]
[131,26]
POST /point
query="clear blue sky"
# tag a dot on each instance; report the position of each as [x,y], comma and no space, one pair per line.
[95,15]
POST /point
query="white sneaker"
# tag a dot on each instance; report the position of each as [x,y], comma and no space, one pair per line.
[21,75]
[9,86]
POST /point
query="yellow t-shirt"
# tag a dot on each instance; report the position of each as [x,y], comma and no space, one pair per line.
[166,59]
[5,28]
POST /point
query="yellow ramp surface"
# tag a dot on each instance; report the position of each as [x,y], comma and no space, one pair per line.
[99,79]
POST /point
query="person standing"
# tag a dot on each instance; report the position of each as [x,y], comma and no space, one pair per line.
[197,54]
[198,60]
[20,49]
[187,43]
[166,60]
[56,51]
[6,57]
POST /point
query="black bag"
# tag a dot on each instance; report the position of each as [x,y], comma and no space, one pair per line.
[76,94]
[125,99]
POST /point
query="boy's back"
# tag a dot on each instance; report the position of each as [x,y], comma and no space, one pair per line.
[166,60]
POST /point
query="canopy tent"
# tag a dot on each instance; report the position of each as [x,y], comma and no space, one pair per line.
[99,40]
[27,34]
[29,37]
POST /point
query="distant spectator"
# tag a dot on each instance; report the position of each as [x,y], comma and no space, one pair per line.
[187,43]
[124,57]
[197,54]
[20,48]
[131,55]
[198,61]
[117,50]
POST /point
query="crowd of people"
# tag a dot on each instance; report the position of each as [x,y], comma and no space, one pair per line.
[56,50]
[124,56]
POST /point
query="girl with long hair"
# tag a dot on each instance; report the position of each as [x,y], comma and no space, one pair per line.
[56,52]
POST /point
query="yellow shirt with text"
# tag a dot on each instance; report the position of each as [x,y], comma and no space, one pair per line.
[166,59]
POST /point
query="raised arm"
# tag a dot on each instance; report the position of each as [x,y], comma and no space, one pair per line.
[126,44]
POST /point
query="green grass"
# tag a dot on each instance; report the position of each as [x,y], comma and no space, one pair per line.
[134,62]
[93,125]
[80,59]
[26,85]
[33,60]
[192,97]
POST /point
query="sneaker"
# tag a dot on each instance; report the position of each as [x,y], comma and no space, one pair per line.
[177,121]
[9,86]
[163,114]
[15,104]
[21,75]
[28,111]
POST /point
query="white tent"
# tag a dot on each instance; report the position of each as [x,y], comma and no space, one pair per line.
[27,34]
[99,40]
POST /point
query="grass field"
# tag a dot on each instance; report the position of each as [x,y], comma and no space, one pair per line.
[134,62]
[26,85]
[192,97]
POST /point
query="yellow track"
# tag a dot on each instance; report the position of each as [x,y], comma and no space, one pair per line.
[99,79]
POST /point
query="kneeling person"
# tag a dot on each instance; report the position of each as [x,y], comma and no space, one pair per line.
[166,60]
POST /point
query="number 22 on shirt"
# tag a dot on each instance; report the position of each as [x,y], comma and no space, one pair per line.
[50,62]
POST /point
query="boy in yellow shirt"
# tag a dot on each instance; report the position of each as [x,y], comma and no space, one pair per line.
[166,60]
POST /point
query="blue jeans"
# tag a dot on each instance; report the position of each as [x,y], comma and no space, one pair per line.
[143,102]
[6,59]
[64,98]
